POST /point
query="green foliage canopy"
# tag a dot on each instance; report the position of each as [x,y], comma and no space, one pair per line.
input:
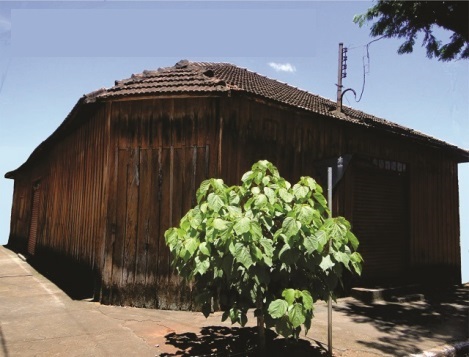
[406,19]
[264,243]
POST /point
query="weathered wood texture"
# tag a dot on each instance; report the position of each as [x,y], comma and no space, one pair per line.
[70,192]
[162,154]
[111,187]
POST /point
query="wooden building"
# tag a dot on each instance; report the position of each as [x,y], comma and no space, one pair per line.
[124,166]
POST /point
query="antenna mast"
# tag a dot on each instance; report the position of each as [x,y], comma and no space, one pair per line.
[341,74]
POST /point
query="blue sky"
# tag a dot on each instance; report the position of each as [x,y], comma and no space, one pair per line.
[51,53]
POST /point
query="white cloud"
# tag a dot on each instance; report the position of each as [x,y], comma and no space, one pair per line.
[282,67]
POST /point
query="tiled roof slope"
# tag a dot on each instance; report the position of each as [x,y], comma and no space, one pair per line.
[205,77]
[202,77]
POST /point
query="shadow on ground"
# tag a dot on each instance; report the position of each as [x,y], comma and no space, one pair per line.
[442,316]
[74,280]
[237,341]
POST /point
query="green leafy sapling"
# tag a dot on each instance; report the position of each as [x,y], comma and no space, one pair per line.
[263,244]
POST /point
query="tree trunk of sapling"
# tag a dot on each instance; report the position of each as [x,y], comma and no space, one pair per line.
[261,327]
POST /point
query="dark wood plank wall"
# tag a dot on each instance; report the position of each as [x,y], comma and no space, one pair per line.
[72,190]
[20,213]
[111,189]
[164,149]
[71,187]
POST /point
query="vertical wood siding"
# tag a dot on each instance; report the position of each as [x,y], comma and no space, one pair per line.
[111,187]
[69,220]
[163,151]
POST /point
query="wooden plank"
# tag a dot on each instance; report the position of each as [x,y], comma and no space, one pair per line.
[109,203]
[180,178]
[164,213]
[131,217]
[121,211]
[145,214]
[153,233]
[34,220]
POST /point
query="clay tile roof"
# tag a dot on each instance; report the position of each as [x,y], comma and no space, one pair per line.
[184,77]
[207,77]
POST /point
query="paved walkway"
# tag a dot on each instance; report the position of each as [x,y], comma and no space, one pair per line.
[39,319]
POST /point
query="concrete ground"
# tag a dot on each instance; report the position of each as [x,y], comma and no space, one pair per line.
[39,319]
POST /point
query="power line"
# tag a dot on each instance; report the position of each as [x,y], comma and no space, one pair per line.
[365,63]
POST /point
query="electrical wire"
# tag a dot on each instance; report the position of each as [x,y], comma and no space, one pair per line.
[365,65]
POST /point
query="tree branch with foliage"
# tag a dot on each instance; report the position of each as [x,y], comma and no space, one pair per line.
[263,244]
[406,19]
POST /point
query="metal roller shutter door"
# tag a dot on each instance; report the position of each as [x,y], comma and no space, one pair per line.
[380,221]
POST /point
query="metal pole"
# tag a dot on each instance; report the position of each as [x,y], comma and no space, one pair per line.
[339,78]
[329,301]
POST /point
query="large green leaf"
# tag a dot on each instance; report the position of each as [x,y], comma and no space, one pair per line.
[270,194]
[234,315]
[290,227]
[356,260]
[255,190]
[255,230]
[260,201]
[191,245]
[243,255]
[256,252]
[320,199]
[352,239]
[220,224]
[218,185]
[185,224]
[215,203]
[204,187]
[296,315]
[289,296]
[234,211]
[283,253]
[184,255]
[307,323]
[285,195]
[267,246]
[242,226]
[283,327]
[300,191]
[267,222]
[307,300]
[322,239]
[248,176]
[277,308]
[171,236]
[233,198]
[308,181]
[205,249]
[311,243]
[342,257]
[201,266]
[305,214]
[195,218]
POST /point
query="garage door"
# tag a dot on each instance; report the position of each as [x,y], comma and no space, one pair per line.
[380,221]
